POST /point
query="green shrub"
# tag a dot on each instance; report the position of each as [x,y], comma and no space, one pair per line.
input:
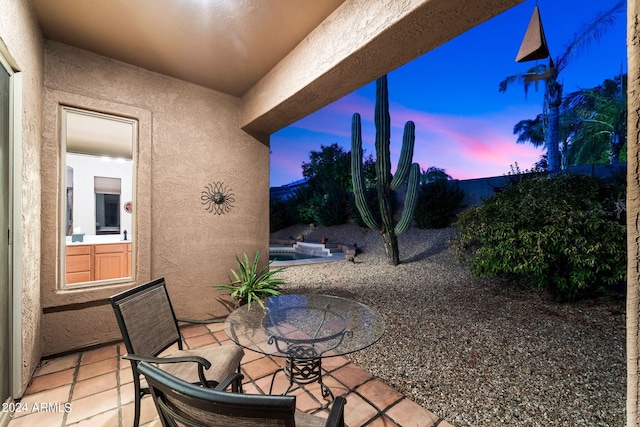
[558,233]
[332,208]
[326,209]
[437,203]
[282,213]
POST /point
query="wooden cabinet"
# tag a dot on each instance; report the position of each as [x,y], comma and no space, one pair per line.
[79,264]
[86,263]
[110,261]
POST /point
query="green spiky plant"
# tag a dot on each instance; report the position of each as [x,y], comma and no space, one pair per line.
[386,183]
[252,282]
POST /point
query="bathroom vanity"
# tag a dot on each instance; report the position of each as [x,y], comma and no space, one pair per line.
[88,261]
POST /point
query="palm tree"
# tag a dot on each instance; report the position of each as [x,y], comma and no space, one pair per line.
[601,115]
[550,74]
[530,131]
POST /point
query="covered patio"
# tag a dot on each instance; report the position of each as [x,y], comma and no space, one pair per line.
[56,342]
[97,385]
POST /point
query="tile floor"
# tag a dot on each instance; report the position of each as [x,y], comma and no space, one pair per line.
[94,388]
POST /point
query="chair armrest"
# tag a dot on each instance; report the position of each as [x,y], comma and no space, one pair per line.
[225,383]
[201,322]
[201,361]
[336,416]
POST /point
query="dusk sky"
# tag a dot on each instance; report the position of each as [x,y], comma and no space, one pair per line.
[463,124]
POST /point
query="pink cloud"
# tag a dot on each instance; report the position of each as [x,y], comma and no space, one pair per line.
[465,146]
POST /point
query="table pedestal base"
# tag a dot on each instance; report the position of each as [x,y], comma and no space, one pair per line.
[301,372]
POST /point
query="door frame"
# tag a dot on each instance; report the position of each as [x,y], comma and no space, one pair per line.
[15,223]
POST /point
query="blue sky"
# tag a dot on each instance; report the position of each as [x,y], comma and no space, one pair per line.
[463,124]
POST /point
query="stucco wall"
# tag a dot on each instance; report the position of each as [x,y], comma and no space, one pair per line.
[20,35]
[195,140]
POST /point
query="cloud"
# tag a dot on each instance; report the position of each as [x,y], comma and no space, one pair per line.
[465,146]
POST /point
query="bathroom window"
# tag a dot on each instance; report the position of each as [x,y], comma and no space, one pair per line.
[99,224]
[107,192]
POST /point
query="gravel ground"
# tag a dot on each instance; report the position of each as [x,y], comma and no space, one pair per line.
[476,352]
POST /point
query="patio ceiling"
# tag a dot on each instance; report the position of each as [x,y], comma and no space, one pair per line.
[226,45]
[285,58]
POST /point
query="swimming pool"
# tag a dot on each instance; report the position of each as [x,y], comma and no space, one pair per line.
[302,253]
[277,255]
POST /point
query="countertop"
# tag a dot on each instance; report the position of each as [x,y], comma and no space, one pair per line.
[108,239]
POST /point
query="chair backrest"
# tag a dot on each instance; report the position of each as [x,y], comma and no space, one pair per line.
[146,318]
[183,404]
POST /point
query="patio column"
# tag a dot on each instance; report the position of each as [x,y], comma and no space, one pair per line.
[633,213]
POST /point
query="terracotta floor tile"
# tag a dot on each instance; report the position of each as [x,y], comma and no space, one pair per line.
[335,386]
[122,349]
[409,413]
[306,401]
[97,368]
[220,335]
[127,393]
[332,363]
[259,368]
[280,361]
[55,395]
[280,385]
[94,385]
[148,413]
[193,331]
[322,413]
[227,342]
[357,412]
[250,356]
[49,381]
[106,419]
[378,393]
[58,364]
[99,354]
[90,406]
[351,376]
[200,341]
[216,327]
[250,388]
[34,419]
[125,373]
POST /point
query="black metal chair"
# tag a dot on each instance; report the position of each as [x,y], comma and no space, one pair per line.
[149,328]
[180,403]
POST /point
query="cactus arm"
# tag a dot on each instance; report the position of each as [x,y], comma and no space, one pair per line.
[406,156]
[410,200]
[383,132]
[359,190]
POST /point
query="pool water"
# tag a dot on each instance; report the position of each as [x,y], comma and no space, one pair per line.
[289,256]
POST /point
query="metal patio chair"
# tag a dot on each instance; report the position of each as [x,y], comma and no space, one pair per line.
[180,403]
[149,328]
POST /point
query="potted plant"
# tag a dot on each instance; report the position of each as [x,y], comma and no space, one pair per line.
[251,282]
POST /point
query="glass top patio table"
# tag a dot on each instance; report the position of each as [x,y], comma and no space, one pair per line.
[305,327]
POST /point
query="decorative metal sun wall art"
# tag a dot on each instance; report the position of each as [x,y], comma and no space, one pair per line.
[217,198]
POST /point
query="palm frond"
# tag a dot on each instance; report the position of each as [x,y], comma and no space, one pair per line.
[522,78]
[592,32]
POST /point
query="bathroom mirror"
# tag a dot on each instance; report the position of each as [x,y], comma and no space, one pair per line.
[98,221]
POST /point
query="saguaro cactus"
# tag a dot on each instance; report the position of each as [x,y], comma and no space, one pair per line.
[386,183]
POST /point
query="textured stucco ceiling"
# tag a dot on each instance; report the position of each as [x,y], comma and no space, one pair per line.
[226,45]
